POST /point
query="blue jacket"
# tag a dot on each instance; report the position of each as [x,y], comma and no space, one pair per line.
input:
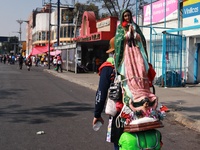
[106,72]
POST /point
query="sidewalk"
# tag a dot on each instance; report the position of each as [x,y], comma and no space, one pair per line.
[183,102]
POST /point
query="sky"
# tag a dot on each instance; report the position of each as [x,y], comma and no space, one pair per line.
[12,10]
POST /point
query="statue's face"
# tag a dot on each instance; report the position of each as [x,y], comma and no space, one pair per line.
[127,16]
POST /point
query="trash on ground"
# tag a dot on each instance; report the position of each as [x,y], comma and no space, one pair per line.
[40,132]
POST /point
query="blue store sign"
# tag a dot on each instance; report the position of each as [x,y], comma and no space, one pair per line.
[191,10]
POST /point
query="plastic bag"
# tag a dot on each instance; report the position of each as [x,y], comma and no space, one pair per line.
[110,107]
[150,139]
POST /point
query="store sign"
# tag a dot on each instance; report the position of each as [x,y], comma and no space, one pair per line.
[69,46]
[160,10]
[191,10]
[103,23]
[92,37]
[191,17]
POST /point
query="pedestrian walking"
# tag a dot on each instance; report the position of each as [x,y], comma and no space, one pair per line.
[97,64]
[29,63]
[94,65]
[107,75]
[4,59]
[59,64]
[54,61]
[21,59]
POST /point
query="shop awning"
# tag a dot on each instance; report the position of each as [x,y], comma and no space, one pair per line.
[40,50]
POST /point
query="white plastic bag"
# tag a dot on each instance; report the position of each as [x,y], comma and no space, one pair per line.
[110,107]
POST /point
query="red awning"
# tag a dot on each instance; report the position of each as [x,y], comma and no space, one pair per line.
[40,50]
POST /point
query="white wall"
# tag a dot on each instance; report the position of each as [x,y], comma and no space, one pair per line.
[169,25]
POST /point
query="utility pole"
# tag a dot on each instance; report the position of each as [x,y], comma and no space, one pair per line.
[58,23]
[49,36]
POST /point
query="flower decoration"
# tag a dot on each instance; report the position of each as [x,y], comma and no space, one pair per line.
[124,24]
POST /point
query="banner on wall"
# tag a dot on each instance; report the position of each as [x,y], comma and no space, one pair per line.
[67,15]
[158,11]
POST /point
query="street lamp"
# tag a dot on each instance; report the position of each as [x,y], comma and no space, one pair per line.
[20,28]
[20,32]
[20,21]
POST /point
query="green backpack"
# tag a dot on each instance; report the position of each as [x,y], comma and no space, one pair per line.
[144,140]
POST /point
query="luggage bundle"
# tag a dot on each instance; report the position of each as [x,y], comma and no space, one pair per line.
[144,140]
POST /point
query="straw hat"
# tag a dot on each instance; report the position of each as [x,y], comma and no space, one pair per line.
[112,45]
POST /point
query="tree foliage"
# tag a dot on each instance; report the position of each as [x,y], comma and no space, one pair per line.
[114,7]
[80,8]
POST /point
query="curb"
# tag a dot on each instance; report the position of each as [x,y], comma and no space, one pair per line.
[186,121]
[91,86]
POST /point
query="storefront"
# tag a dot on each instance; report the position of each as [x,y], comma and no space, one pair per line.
[93,42]
[94,38]
[69,55]
[191,21]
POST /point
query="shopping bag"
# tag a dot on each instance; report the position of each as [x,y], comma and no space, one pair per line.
[111,107]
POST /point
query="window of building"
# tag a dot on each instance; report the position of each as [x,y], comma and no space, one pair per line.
[61,32]
[43,35]
[70,31]
[39,36]
[65,32]
[47,37]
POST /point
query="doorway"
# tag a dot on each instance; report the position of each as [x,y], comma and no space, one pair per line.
[197,64]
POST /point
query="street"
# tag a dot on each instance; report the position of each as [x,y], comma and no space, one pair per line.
[32,101]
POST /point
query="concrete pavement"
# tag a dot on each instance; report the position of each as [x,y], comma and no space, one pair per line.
[183,102]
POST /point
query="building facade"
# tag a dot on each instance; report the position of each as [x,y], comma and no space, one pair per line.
[37,29]
[191,21]
[92,42]
[160,22]
[181,33]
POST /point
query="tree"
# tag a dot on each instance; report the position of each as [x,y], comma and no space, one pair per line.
[114,7]
[80,8]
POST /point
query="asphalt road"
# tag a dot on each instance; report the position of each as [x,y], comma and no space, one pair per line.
[32,101]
